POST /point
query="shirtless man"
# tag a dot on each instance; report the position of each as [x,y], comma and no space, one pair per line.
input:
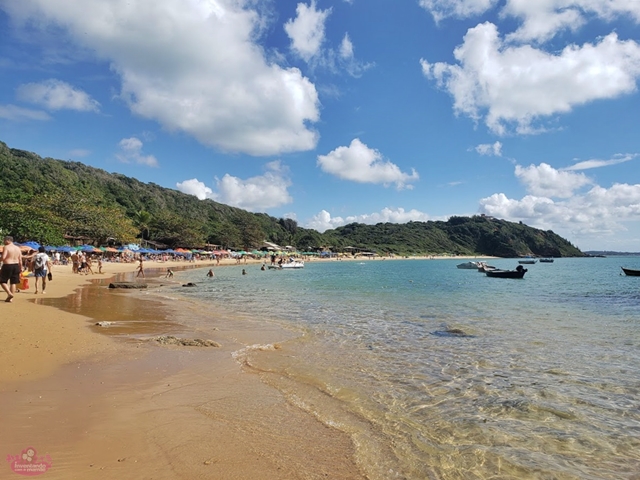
[11,268]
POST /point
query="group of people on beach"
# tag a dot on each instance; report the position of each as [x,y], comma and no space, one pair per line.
[12,268]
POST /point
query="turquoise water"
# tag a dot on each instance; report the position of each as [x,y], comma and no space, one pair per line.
[541,380]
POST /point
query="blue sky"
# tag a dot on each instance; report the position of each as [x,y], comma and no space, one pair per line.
[331,112]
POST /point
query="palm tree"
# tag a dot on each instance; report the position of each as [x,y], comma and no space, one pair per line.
[143,219]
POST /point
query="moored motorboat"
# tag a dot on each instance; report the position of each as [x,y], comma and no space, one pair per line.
[483,267]
[293,264]
[289,264]
[529,261]
[546,260]
[468,265]
[630,272]
[497,273]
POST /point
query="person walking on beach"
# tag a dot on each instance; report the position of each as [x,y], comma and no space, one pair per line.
[140,269]
[11,267]
[41,264]
[75,261]
[87,266]
[99,264]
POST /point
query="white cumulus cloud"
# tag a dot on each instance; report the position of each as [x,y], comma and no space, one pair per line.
[193,66]
[130,151]
[196,188]
[542,20]
[359,163]
[324,221]
[57,95]
[591,215]
[544,180]
[441,9]
[256,194]
[307,30]
[519,85]
[494,149]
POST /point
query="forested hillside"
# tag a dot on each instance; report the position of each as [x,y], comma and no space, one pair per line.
[47,199]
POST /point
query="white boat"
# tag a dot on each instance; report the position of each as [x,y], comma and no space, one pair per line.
[483,267]
[529,261]
[468,265]
[290,264]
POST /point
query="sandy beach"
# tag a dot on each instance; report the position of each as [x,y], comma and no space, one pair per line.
[109,403]
[113,403]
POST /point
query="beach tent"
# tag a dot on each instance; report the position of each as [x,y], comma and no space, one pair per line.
[31,244]
[89,249]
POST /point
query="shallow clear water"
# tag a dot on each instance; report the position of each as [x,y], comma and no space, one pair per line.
[541,380]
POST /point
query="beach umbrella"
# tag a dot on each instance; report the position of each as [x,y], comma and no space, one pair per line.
[31,244]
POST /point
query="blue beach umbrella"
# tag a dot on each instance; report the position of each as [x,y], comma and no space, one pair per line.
[31,244]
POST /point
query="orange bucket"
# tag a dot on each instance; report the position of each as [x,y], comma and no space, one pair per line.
[24,283]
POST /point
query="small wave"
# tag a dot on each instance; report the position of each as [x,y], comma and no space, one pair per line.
[239,354]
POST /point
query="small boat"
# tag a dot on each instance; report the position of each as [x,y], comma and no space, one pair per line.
[468,265]
[630,272]
[546,260]
[483,267]
[497,273]
[291,264]
[529,261]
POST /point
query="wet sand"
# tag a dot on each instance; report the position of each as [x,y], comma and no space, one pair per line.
[111,403]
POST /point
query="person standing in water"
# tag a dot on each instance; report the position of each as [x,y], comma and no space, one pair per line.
[140,268]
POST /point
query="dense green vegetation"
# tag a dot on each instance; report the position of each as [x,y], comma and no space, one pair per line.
[51,200]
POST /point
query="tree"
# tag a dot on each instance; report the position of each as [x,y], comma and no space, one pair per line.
[25,222]
[176,231]
[142,220]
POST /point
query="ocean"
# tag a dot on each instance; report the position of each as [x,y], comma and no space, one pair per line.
[442,373]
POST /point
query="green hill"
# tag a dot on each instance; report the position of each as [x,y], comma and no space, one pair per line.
[52,200]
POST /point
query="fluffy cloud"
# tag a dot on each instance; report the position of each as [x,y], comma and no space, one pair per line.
[494,149]
[196,188]
[324,221]
[57,95]
[539,20]
[362,164]
[590,214]
[256,194]
[544,180]
[130,151]
[506,85]
[542,20]
[441,9]
[193,66]
[306,31]
[307,34]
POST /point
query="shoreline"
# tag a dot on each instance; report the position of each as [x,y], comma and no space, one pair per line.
[105,406]
[106,399]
